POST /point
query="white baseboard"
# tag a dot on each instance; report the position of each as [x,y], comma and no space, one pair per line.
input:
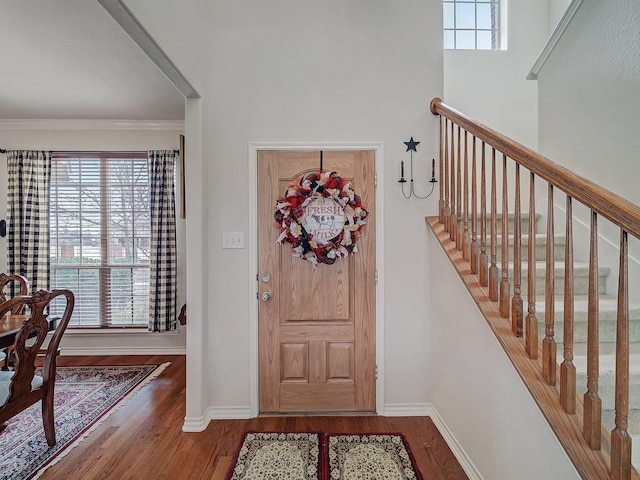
[407,410]
[464,461]
[216,413]
[230,413]
[196,424]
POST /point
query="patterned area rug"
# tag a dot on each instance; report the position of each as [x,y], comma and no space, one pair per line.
[374,456]
[277,456]
[83,396]
[307,456]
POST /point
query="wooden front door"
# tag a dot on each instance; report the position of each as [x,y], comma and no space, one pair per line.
[317,328]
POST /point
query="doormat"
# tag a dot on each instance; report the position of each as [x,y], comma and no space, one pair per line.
[277,456]
[369,456]
[316,456]
[83,397]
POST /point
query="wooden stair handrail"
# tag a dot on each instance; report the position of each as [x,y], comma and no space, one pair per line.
[585,429]
[614,208]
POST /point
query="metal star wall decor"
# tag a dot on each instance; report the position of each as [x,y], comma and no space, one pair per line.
[411,147]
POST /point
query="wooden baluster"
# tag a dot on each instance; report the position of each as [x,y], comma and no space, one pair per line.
[516,301]
[620,439]
[504,283]
[459,205]
[549,344]
[443,142]
[452,218]
[592,414]
[484,265]
[493,269]
[568,369]
[474,211]
[465,218]
[447,207]
[531,332]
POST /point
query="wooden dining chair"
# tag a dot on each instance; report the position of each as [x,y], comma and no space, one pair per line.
[21,387]
[5,280]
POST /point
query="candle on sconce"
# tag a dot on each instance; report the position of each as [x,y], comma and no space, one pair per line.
[433,168]
[401,168]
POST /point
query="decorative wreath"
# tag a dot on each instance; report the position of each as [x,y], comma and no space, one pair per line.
[321,217]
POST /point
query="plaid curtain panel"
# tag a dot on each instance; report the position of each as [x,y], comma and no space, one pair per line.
[163,283]
[29,174]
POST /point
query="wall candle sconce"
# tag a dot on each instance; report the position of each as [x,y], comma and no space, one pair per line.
[411,147]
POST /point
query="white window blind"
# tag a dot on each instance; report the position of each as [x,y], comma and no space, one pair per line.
[100,236]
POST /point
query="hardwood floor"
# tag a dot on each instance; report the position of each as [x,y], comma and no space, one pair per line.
[144,439]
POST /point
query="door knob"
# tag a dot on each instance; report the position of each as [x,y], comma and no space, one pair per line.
[266,296]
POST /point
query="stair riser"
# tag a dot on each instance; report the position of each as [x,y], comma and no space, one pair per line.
[607,330]
[580,283]
[541,251]
[524,224]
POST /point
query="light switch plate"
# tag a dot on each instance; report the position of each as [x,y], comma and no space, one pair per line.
[232,239]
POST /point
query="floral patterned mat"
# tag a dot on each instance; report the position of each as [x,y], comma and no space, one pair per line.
[83,396]
[316,456]
[277,456]
[374,456]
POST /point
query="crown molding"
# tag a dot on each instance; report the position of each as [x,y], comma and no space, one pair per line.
[555,37]
[90,124]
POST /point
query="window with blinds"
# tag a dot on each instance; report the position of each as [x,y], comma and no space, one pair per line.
[100,236]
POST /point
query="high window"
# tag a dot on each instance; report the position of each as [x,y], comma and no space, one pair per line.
[471,24]
[100,236]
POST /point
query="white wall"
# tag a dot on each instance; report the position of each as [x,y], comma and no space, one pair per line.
[314,73]
[491,86]
[179,28]
[97,136]
[589,101]
[590,111]
[557,8]
[478,392]
[290,71]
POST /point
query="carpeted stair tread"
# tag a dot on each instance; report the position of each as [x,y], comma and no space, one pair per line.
[541,246]
[607,314]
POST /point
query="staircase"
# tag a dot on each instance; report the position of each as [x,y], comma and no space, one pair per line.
[607,323]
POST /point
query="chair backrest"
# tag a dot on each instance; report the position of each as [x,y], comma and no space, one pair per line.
[6,279]
[34,329]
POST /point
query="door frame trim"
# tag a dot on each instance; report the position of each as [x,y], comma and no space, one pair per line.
[252,245]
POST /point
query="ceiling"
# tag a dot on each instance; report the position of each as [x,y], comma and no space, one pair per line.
[68,59]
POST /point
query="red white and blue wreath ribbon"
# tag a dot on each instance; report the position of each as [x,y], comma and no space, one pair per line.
[321,217]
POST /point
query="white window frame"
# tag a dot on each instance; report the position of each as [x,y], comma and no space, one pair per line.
[497,29]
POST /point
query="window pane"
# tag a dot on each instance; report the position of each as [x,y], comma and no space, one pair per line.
[485,16]
[449,18]
[67,196]
[129,296]
[465,15]
[485,40]
[466,39]
[449,39]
